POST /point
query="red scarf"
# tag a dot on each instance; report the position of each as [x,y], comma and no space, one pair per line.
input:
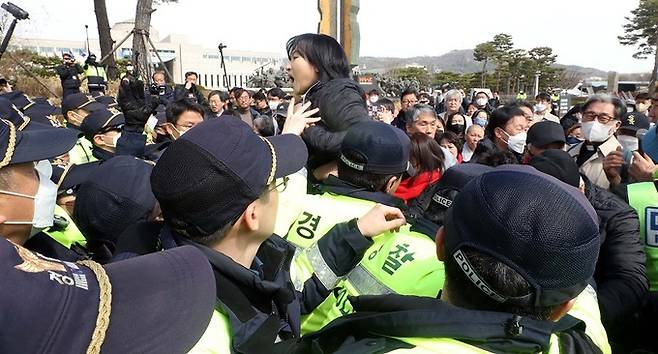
[412,187]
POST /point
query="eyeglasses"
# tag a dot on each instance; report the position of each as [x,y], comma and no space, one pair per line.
[601,117]
[412,102]
[279,187]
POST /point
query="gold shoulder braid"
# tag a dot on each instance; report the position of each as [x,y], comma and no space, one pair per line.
[104,306]
[270,179]
[11,145]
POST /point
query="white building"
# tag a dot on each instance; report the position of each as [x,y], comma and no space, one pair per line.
[178,54]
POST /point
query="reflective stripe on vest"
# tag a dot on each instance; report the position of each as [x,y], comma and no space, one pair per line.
[95,71]
[320,267]
[366,283]
[643,197]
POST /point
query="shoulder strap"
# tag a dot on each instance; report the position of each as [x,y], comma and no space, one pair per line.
[423,317]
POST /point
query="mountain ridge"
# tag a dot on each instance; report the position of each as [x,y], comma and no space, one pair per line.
[457,60]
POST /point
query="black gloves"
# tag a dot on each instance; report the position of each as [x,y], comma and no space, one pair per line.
[136,107]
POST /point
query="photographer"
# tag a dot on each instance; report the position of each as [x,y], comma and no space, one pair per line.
[189,90]
[96,76]
[161,90]
[69,73]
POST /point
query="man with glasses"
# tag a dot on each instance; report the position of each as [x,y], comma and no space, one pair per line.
[601,119]
[243,109]
[218,187]
[408,99]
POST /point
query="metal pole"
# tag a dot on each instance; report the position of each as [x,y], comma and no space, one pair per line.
[159,58]
[31,74]
[116,46]
[221,54]
[5,41]
[87,31]
[537,74]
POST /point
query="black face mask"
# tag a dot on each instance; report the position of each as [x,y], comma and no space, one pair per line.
[457,128]
[162,138]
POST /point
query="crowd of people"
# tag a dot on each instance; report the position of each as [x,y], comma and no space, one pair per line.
[324,219]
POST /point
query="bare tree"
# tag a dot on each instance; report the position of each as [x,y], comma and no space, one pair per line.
[105,38]
[142,24]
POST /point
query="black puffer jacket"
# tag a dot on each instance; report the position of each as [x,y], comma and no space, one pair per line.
[69,75]
[341,105]
[193,93]
[620,275]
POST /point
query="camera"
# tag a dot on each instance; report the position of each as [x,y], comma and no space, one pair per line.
[156,89]
[16,11]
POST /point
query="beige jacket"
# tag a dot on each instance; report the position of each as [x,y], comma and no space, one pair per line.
[593,168]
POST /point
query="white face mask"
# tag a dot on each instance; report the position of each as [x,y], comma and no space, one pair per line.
[374,99]
[481,101]
[540,107]
[596,132]
[516,142]
[273,105]
[44,200]
[630,143]
[114,141]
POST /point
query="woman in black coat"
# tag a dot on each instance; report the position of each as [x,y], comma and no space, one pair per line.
[320,73]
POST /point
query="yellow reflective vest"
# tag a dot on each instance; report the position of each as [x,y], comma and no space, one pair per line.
[68,236]
[401,262]
[585,309]
[82,152]
[217,337]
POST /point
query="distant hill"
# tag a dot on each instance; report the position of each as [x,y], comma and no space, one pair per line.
[460,61]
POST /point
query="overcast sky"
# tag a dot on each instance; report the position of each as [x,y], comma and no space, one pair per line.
[581,32]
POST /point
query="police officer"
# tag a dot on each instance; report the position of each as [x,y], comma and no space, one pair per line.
[216,199]
[69,73]
[27,195]
[374,156]
[68,179]
[158,303]
[516,279]
[95,74]
[102,128]
[75,108]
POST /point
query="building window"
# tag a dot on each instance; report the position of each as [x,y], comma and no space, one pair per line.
[64,50]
